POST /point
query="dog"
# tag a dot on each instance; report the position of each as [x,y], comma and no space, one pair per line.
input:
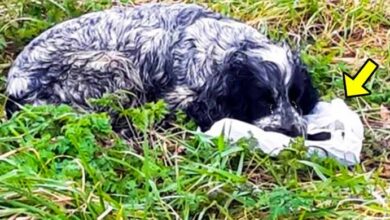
[196,60]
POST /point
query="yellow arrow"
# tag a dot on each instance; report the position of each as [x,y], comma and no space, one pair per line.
[354,86]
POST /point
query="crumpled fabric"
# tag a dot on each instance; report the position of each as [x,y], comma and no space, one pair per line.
[333,130]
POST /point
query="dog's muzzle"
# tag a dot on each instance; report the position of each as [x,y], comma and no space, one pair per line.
[285,121]
[292,130]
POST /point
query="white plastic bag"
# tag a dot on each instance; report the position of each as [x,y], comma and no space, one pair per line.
[335,118]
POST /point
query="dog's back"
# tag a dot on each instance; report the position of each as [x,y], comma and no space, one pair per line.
[196,60]
[100,52]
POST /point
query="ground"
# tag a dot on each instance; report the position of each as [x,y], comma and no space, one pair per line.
[59,164]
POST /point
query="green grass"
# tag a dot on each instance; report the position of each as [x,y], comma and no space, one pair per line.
[56,163]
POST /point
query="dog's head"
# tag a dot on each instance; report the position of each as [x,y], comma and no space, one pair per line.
[271,88]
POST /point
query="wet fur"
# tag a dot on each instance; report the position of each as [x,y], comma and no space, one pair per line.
[197,60]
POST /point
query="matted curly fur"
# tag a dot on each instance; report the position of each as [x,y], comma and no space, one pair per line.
[197,60]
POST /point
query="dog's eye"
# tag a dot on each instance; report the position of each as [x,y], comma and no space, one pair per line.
[294,93]
[294,104]
[271,109]
[269,100]
[268,97]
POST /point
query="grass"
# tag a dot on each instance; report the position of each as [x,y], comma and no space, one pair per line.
[56,163]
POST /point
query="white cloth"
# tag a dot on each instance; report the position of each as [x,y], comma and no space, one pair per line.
[344,126]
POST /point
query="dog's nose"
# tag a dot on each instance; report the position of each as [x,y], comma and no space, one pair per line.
[291,130]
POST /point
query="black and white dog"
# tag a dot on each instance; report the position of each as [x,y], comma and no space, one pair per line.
[196,60]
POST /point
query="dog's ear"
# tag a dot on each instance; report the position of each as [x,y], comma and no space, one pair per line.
[239,66]
[252,69]
[222,93]
[235,61]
